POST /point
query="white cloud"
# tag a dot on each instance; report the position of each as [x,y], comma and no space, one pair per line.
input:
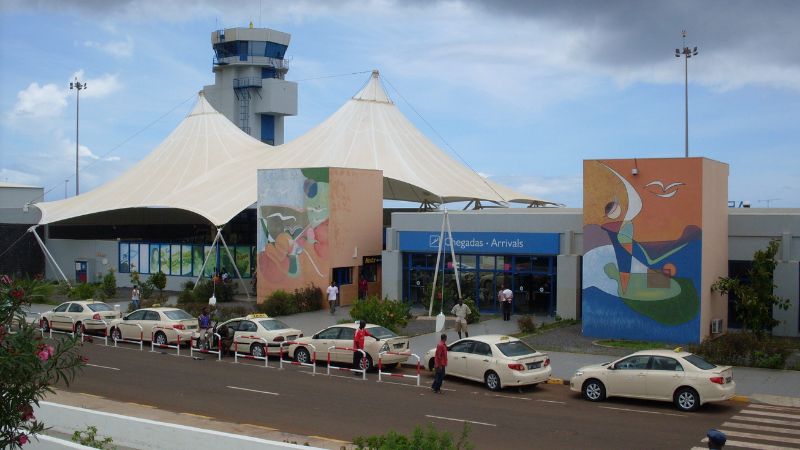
[37,101]
[97,87]
[119,49]
[19,177]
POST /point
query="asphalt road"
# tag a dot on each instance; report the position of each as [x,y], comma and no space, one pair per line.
[343,406]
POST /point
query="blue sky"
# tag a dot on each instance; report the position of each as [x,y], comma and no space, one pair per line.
[522,91]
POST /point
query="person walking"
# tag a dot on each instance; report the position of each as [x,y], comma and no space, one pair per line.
[461,311]
[204,325]
[507,295]
[439,364]
[362,288]
[358,343]
[135,294]
[333,294]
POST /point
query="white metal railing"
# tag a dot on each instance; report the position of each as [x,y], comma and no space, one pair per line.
[237,355]
[312,363]
[363,372]
[163,330]
[210,345]
[130,341]
[381,373]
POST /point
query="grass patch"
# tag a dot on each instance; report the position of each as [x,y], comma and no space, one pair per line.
[540,329]
[633,345]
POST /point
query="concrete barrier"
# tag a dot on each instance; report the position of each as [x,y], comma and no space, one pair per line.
[140,433]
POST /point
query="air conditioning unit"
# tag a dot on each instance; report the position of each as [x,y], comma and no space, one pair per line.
[716,326]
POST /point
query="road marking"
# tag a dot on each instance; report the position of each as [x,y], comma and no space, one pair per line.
[252,390]
[102,367]
[92,395]
[405,384]
[141,404]
[551,401]
[771,414]
[461,420]
[196,415]
[754,445]
[747,426]
[510,396]
[763,437]
[329,439]
[261,426]
[776,408]
[763,420]
[643,411]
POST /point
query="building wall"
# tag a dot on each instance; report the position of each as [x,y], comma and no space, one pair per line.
[22,255]
[715,245]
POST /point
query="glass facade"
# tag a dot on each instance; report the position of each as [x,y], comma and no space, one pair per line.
[184,259]
[531,277]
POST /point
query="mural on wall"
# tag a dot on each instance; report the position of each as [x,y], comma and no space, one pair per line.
[642,250]
[293,226]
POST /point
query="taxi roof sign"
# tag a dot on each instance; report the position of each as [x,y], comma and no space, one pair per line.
[257,316]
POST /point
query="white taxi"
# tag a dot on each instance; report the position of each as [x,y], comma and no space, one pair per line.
[84,315]
[161,324]
[496,360]
[676,376]
[249,331]
[342,335]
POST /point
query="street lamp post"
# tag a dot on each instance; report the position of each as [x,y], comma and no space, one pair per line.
[687,53]
[78,86]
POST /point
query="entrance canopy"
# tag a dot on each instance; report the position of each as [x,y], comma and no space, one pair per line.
[207,165]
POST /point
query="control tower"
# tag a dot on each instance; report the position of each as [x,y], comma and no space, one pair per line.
[250,87]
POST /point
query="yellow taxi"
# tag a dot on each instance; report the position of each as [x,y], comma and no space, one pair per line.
[676,376]
[246,331]
[342,335]
[165,324]
[495,360]
[86,315]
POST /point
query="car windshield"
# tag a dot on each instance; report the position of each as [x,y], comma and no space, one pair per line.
[97,307]
[699,362]
[381,333]
[515,348]
[178,314]
[273,324]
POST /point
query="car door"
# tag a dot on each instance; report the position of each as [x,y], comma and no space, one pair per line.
[58,319]
[324,339]
[628,377]
[345,340]
[457,358]
[233,326]
[244,333]
[664,376]
[75,313]
[151,319]
[479,360]
[129,327]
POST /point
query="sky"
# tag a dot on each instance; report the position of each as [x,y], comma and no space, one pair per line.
[522,91]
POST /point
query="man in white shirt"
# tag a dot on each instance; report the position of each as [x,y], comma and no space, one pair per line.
[505,296]
[461,311]
[333,293]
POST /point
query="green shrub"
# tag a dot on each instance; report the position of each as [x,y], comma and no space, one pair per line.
[159,280]
[146,289]
[38,290]
[308,298]
[88,438]
[428,439]
[135,278]
[205,288]
[391,314]
[110,284]
[526,324]
[82,291]
[474,314]
[745,349]
[279,303]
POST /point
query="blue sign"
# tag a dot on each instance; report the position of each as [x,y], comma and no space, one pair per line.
[483,243]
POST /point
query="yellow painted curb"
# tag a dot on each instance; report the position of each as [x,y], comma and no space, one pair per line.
[557,381]
[741,398]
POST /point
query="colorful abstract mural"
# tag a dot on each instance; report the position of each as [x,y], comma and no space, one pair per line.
[642,260]
[293,219]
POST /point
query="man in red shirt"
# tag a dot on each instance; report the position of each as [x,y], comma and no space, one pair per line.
[439,363]
[358,343]
[363,287]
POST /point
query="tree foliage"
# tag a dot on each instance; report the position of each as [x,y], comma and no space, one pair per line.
[428,439]
[159,280]
[29,366]
[756,298]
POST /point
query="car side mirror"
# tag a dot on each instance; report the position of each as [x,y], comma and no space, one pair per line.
[125,318]
[612,367]
[316,336]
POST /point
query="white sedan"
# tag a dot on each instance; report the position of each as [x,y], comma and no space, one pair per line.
[83,315]
[676,376]
[161,324]
[497,361]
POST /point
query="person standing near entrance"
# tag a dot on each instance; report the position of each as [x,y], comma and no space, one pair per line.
[439,364]
[461,311]
[333,294]
[135,297]
[362,288]
[505,296]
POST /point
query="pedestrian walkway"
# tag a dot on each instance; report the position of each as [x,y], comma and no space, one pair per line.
[761,427]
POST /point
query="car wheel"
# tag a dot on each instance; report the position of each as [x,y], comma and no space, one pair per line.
[302,356]
[116,334]
[687,399]
[161,338]
[45,326]
[366,363]
[492,381]
[594,391]
[431,364]
[257,350]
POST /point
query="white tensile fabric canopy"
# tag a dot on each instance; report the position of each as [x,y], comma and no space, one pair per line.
[207,165]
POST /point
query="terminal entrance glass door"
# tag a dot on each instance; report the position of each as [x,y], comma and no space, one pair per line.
[533,294]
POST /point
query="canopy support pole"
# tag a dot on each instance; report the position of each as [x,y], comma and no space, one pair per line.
[445,220]
[48,254]
[453,253]
[205,261]
[233,262]
[436,270]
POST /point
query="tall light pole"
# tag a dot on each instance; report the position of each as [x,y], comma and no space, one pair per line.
[687,53]
[78,86]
